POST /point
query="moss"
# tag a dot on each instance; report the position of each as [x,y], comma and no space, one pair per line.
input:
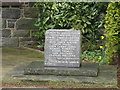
[51,83]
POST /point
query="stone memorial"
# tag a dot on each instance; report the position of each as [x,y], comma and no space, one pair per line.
[62,56]
[62,48]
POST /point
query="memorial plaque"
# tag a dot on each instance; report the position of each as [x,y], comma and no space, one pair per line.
[62,48]
[62,56]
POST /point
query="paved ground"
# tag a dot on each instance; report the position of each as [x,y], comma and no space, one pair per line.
[12,57]
[15,60]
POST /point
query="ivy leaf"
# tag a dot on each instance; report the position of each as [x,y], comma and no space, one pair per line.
[85,7]
[46,20]
[88,22]
[85,25]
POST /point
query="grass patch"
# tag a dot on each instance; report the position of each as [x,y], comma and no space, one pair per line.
[52,83]
[22,52]
[12,57]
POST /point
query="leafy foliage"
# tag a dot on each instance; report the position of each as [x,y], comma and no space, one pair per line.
[84,16]
[88,17]
[93,56]
[112,30]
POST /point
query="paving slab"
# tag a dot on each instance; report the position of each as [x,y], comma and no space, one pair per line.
[16,59]
[106,78]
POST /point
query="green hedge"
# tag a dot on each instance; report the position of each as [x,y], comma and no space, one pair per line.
[112,31]
[85,16]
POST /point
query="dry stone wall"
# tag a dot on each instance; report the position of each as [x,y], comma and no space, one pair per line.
[18,24]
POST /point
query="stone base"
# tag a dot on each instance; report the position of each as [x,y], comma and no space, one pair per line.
[86,69]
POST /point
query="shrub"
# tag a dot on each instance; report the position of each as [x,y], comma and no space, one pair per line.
[85,16]
[112,30]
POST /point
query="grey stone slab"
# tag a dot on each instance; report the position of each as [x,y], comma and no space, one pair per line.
[25,24]
[29,14]
[27,43]
[107,77]
[10,42]
[11,3]
[62,48]
[11,23]
[3,23]
[38,68]
[11,13]
[22,39]
[6,33]
[20,33]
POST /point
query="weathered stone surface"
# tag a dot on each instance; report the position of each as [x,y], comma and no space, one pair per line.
[21,39]
[11,13]
[27,44]
[3,23]
[62,48]
[6,33]
[107,78]
[11,3]
[38,68]
[10,42]
[30,12]
[25,24]
[31,4]
[0,41]
[20,33]
[11,23]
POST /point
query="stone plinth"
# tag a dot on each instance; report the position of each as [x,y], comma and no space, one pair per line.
[62,56]
[38,68]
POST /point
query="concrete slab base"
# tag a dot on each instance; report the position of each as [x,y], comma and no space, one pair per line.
[38,68]
[106,78]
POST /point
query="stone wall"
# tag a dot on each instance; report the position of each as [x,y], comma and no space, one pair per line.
[18,24]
